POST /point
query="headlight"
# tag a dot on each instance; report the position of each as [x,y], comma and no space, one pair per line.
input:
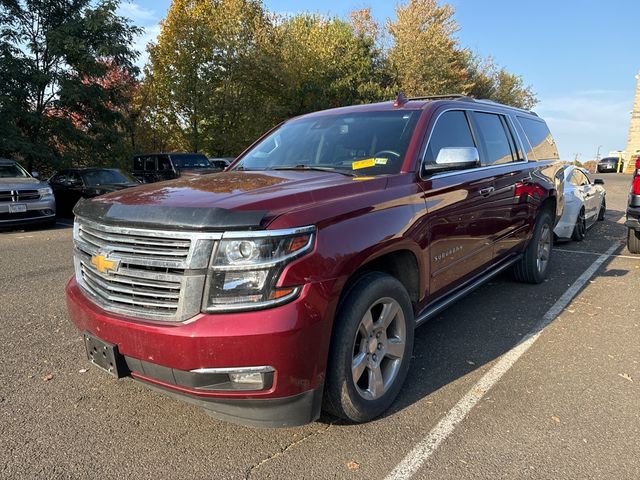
[45,192]
[245,268]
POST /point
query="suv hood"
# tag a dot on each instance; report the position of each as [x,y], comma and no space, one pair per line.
[20,183]
[232,200]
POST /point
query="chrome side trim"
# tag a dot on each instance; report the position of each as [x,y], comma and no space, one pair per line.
[267,233]
[261,369]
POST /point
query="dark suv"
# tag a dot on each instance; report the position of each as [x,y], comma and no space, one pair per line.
[155,167]
[296,278]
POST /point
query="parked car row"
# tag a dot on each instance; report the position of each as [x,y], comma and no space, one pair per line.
[25,200]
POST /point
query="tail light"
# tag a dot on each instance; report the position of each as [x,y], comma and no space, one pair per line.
[635,187]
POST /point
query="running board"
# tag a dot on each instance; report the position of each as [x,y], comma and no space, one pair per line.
[431,310]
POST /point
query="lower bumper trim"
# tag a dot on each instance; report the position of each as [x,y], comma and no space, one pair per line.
[283,412]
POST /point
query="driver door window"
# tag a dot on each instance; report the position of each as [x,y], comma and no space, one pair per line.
[451,130]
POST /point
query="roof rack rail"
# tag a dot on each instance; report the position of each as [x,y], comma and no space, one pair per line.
[451,96]
[487,100]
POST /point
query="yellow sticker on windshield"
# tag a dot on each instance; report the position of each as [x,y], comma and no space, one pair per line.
[369,162]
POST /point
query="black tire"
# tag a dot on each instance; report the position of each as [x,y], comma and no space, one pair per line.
[633,241]
[603,210]
[345,397]
[529,269]
[580,228]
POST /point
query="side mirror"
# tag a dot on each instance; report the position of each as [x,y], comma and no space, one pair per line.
[458,157]
[598,181]
[454,158]
[35,174]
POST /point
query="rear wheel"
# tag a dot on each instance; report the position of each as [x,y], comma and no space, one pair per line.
[580,228]
[633,241]
[371,348]
[533,266]
[603,209]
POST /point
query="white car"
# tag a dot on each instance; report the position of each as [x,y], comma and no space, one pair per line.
[584,204]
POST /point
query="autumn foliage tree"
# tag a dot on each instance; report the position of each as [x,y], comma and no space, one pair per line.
[57,104]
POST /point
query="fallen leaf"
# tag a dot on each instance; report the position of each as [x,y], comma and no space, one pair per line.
[555,419]
[626,377]
[353,465]
[46,378]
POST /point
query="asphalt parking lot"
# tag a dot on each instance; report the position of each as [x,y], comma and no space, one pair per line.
[514,381]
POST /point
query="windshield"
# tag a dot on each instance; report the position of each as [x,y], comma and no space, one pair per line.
[107,177]
[364,143]
[13,170]
[190,161]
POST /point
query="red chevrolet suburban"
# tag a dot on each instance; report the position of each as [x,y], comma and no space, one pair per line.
[294,280]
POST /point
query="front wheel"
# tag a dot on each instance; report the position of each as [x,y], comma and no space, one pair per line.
[371,348]
[533,266]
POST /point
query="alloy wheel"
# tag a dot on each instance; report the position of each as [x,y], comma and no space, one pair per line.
[378,348]
[544,248]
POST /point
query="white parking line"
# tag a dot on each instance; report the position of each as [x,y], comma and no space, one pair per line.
[565,250]
[428,445]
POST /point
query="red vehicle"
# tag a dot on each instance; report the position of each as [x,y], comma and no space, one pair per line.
[294,280]
[633,210]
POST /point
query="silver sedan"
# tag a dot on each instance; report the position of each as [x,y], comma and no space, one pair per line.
[585,203]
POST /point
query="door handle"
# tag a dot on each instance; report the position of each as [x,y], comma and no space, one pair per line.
[486,191]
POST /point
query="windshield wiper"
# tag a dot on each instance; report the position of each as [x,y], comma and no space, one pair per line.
[319,169]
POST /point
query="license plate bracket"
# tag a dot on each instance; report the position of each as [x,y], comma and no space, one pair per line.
[17,208]
[104,355]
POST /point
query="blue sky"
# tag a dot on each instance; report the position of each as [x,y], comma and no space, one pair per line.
[577,55]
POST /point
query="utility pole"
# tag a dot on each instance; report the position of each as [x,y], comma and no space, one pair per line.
[598,153]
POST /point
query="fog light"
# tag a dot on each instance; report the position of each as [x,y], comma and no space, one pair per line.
[254,379]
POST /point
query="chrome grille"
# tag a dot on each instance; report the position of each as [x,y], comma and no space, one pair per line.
[22,195]
[151,274]
[18,195]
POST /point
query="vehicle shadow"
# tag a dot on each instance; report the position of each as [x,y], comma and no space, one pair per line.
[61,224]
[486,324]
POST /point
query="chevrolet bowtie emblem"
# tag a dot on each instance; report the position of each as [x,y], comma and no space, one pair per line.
[103,264]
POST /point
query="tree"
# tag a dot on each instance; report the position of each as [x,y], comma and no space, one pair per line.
[53,103]
[207,69]
[325,62]
[495,83]
[425,56]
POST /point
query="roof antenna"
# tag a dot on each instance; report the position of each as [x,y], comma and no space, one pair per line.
[400,100]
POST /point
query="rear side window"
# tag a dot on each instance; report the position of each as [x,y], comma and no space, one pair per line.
[138,163]
[451,130]
[542,143]
[498,145]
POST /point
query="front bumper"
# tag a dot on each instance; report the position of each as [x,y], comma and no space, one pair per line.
[38,211]
[292,338]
